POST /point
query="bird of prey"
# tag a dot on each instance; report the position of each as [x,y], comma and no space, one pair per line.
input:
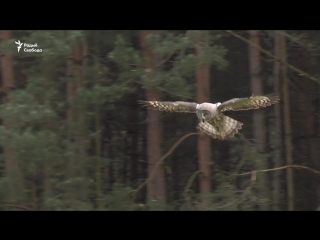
[212,121]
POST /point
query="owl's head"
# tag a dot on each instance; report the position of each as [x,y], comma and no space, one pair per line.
[203,115]
[206,111]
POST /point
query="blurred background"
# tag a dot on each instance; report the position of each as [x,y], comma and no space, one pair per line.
[73,136]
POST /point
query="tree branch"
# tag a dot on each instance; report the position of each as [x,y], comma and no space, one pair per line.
[189,183]
[18,206]
[160,162]
[274,169]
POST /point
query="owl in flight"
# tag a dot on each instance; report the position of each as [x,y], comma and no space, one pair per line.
[212,121]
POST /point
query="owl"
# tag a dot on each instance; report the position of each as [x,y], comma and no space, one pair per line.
[212,121]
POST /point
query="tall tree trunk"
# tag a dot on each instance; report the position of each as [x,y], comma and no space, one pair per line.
[287,129]
[317,130]
[133,128]
[204,148]
[81,139]
[157,185]
[308,139]
[75,118]
[259,125]
[110,167]
[48,165]
[98,148]
[108,146]
[278,76]
[8,85]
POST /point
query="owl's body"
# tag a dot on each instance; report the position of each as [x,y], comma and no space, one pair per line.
[212,121]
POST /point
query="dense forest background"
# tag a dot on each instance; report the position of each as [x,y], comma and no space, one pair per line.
[73,136]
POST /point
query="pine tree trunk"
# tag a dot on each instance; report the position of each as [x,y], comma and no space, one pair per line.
[48,165]
[157,185]
[278,76]
[75,118]
[8,85]
[204,148]
[133,128]
[287,129]
[259,124]
[81,139]
[308,139]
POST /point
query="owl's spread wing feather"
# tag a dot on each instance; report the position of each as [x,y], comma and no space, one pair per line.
[255,102]
[188,107]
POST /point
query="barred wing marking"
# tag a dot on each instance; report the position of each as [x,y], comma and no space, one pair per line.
[188,107]
[238,104]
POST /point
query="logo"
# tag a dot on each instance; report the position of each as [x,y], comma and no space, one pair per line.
[28,47]
[19,43]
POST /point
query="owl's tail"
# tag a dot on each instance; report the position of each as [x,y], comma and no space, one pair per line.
[222,129]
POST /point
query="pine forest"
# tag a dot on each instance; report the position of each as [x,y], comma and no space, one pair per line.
[115,120]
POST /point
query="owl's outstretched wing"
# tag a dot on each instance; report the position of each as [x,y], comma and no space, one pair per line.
[254,102]
[188,107]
